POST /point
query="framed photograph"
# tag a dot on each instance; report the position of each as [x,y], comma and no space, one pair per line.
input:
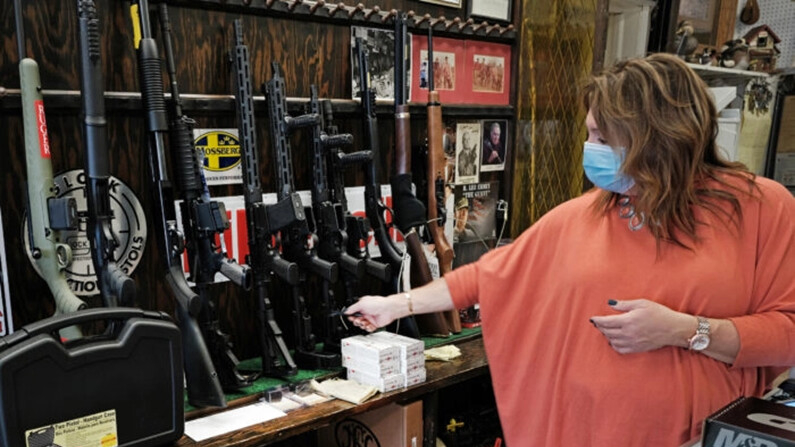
[713,21]
[449,69]
[380,45]
[450,3]
[488,74]
[494,147]
[467,153]
[499,10]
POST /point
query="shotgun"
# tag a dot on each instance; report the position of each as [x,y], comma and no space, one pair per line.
[48,215]
[436,184]
[409,211]
[115,286]
[203,386]
[203,219]
[263,257]
[298,242]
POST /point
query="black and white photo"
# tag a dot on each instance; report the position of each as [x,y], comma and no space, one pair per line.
[380,46]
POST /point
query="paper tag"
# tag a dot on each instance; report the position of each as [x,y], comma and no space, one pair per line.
[406,271]
[96,430]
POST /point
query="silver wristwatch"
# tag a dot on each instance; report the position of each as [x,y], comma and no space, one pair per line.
[700,340]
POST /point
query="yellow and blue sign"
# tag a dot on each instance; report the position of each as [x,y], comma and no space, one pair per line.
[220,151]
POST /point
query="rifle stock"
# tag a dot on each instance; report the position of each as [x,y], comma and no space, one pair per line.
[437,163]
[410,212]
[44,209]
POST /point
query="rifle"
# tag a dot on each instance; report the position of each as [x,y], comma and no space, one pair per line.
[263,257]
[357,228]
[48,215]
[409,211]
[329,220]
[204,388]
[115,286]
[436,184]
[298,242]
[203,219]
[373,207]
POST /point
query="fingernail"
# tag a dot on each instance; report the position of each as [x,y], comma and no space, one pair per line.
[612,302]
[592,322]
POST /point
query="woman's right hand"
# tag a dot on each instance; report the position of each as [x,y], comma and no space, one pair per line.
[373,312]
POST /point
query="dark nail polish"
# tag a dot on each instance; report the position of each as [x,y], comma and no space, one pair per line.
[612,302]
[592,322]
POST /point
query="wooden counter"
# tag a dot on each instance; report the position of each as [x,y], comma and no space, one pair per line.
[472,363]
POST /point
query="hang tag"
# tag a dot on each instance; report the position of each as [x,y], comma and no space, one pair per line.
[406,272]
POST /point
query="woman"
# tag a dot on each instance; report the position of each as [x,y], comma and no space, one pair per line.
[626,316]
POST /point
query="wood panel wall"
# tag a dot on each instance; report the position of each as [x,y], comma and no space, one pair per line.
[309,52]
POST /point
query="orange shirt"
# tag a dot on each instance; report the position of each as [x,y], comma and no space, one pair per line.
[556,380]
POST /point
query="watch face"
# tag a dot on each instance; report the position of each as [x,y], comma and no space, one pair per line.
[699,342]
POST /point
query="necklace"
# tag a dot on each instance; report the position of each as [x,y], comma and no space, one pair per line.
[626,210]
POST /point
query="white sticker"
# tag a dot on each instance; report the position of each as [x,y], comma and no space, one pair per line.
[96,430]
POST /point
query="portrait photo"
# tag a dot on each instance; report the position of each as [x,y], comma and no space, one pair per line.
[467,152]
[494,147]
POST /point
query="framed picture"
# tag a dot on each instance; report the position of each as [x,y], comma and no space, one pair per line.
[494,147]
[450,3]
[449,69]
[488,74]
[499,10]
[467,153]
[713,21]
[380,45]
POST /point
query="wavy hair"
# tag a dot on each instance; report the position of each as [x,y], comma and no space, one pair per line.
[662,112]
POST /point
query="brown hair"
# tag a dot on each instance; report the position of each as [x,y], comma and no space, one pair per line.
[662,113]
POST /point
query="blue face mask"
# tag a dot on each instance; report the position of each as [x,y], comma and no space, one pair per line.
[602,167]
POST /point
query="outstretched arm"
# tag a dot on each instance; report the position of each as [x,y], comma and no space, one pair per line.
[378,311]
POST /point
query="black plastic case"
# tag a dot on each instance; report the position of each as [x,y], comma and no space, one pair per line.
[134,369]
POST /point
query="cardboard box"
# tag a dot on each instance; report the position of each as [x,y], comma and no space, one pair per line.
[390,426]
[750,421]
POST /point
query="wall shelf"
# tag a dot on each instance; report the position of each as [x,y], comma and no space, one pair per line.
[359,15]
[69,100]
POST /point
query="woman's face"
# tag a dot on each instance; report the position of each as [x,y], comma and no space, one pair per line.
[594,134]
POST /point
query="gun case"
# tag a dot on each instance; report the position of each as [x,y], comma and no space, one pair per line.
[120,388]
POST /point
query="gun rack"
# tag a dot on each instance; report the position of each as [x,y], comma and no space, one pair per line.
[69,100]
[341,13]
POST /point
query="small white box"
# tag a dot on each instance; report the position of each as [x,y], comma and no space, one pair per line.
[415,377]
[412,351]
[384,384]
[367,350]
[382,369]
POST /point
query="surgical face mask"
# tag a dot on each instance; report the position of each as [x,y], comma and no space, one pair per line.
[602,167]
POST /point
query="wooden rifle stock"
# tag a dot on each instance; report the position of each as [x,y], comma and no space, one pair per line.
[436,184]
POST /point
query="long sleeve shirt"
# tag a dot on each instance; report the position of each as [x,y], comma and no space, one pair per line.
[557,382]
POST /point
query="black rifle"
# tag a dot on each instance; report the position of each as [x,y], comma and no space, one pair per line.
[357,228]
[114,285]
[204,388]
[203,220]
[329,222]
[298,242]
[374,208]
[263,257]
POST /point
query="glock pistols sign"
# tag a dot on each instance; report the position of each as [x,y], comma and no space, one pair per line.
[128,225]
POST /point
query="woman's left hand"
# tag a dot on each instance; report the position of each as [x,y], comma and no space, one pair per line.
[644,325]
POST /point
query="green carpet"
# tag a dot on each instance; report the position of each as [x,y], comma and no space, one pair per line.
[266,383]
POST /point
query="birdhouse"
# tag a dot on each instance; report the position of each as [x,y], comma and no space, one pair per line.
[762,50]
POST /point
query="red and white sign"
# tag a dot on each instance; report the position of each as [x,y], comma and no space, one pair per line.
[41,127]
